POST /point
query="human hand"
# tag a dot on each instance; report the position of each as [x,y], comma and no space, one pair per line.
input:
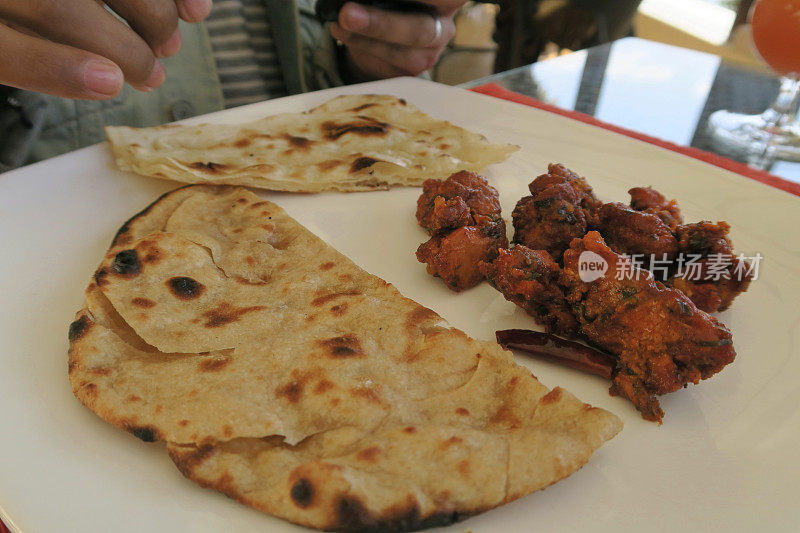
[386,44]
[77,49]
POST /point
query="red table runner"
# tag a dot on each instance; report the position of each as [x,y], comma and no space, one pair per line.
[492,89]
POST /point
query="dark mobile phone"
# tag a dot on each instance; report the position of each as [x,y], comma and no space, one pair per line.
[328,10]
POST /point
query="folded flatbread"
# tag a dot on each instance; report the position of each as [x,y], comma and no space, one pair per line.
[350,143]
[286,377]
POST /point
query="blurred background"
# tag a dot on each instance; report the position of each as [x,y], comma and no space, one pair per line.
[493,37]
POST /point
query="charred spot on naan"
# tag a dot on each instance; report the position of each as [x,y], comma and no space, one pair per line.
[89,390]
[122,236]
[149,251]
[323,298]
[551,397]
[343,346]
[301,143]
[339,310]
[144,303]
[144,433]
[452,441]
[185,288]
[369,455]
[370,394]
[188,458]
[323,386]
[101,277]
[361,163]
[362,107]
[361,125]
[353,515]
[209,167]
[79,328]
[292,391]
[213,363]
[302,493]
[126,263]
[421,319]
[226,313]
[246,281]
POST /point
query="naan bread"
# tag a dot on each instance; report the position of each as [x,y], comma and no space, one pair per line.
[350,143]
[288,378]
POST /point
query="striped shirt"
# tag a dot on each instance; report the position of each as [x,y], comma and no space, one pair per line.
[244,52]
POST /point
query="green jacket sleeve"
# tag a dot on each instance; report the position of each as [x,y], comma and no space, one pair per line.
[306,50]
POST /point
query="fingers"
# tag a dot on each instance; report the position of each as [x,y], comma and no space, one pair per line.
[193,10]
[384,44]
[86,25]
[156,21]
[385,60]
[61,70]
[413,30]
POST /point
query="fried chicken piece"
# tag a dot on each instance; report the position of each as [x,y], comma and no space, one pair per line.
[704,238]
[561,207]
[455,256]
[649,200]
[463,199]
[662,339]
[529,278]
[627,231]
[462,213]
[558,174]
[709,274]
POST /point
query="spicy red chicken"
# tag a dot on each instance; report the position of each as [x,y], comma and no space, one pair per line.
[649,200]
[560,208]
[657,337]
[462,214]
[663,341]
[632,232]
[463,199]
[455,256]
[529,278]
[709,273]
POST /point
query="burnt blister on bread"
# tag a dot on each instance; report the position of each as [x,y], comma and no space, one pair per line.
[145,433]
[78,328]
[185,288]
[126,263]
[302,493]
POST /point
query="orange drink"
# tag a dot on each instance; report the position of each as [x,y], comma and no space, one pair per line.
[776,33]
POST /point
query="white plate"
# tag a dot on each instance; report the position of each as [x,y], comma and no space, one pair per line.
[724,460]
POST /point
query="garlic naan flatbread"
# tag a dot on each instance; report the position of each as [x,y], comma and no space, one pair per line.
[285,376]
[350,143]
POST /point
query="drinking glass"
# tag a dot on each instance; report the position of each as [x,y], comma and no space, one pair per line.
[774,134]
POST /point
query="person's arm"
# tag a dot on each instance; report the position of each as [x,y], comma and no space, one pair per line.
[78,49]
